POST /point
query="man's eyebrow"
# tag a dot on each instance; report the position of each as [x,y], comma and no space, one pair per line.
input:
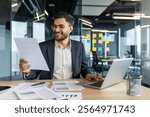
[59,25]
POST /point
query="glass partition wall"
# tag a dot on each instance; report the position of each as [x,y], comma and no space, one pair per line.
[130,40]
[145,43]
[5,40]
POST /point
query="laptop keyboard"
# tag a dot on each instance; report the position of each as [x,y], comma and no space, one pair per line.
[97,84]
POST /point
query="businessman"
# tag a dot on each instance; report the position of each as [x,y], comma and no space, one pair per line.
[65,58]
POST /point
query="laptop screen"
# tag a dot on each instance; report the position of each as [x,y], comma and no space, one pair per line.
[117,71]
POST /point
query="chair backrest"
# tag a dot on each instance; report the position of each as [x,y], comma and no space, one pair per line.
[95,58]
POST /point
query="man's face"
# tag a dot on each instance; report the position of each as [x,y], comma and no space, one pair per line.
[61,29]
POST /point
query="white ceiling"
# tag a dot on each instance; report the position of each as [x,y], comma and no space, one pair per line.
[92,7]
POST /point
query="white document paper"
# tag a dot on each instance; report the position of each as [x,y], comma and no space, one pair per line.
[29,85]
[29,49]
[34,91]
[40,93]
[8,94]
[67,86]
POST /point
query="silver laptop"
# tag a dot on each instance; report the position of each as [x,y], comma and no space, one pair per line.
[115,74]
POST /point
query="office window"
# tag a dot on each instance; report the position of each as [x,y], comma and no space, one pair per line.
[133,40]
[130,42]
[5,44]
[39,31]
[19,30]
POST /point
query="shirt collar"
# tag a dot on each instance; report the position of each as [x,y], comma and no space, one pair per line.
[58,46]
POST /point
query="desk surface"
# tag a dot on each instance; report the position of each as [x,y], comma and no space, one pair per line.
[116,92]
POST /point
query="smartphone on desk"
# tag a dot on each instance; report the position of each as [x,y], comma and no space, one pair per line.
[4,87]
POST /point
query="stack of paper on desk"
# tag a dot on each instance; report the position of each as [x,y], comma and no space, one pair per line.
[34,91]
[29,85]
[67,86]
[69,90]
[29,91]
[41,93]
[8,94]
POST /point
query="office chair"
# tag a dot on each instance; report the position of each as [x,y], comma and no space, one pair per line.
[96,64]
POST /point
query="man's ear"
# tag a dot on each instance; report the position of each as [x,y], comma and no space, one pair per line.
[71,28]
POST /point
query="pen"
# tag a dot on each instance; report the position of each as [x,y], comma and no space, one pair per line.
[39,83]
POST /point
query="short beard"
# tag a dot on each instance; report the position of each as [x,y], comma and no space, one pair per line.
[63,37]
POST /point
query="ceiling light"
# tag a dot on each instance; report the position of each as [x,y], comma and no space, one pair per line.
[46,12]
[39,19]
[85,21]
[90,25]
[15,4]
[97,30]
[51,5]
[146,16]
[145,26]
[37,16]
[127,18]
[139,14]
[123,14]
[96,19]
[130,0]
[128,14]
[108,14]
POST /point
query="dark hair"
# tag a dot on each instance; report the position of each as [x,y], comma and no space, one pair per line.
[69,18]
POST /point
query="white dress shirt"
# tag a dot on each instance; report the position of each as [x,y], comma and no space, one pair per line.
[62,62]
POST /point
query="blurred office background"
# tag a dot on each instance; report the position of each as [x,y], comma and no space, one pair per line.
[109,29]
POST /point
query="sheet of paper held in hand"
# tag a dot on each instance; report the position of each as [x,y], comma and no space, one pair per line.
[29,49]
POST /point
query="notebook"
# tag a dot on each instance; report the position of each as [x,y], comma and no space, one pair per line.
[115,74]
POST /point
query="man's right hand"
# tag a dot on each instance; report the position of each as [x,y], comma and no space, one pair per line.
[93,77]
[24,66]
